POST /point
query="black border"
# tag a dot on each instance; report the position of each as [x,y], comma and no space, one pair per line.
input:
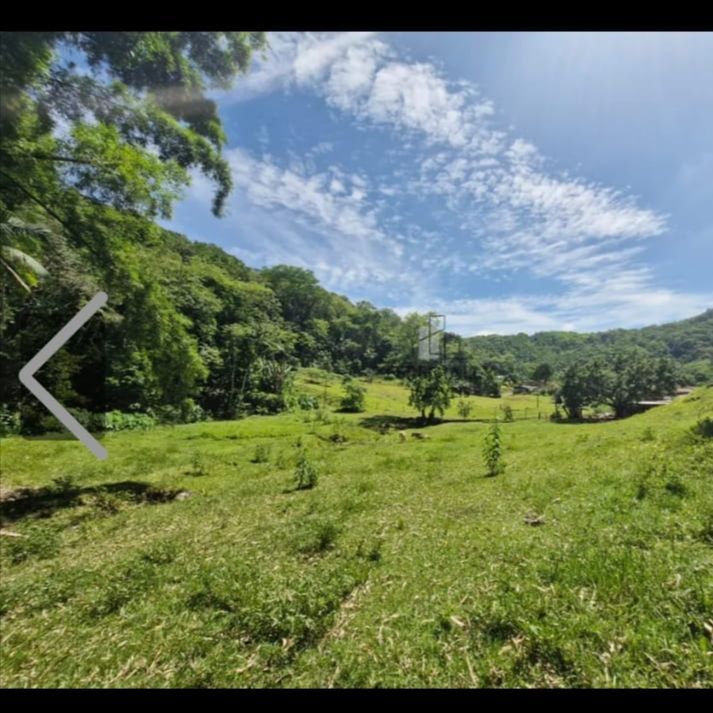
[274,17]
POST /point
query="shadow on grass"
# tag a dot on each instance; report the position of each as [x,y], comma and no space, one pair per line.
[22,503]
[386,423]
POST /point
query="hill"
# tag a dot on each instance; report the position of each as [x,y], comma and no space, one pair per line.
[689,342]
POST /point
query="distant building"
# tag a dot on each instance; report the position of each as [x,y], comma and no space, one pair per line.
[524,389]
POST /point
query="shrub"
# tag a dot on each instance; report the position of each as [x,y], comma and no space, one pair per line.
[492,451]
[306,402]
[316,536]
[305,473]
[118,421]
[353,399]
[508,414]
[262,453]
[9,421]
[464,408]
[704,427]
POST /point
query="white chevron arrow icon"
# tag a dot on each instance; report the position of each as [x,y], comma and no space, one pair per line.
[27,374]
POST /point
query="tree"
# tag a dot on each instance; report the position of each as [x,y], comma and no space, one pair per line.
[581,386]
[634,376]
[430,392]
[542,373]
[134,125]
[631,376]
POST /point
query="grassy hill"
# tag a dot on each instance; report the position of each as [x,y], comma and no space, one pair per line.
[180,561]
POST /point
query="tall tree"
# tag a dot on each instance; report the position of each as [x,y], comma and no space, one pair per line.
[119,117]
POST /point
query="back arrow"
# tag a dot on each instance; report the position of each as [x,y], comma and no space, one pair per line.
[27,374]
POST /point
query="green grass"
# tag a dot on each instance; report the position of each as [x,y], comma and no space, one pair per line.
[403,566]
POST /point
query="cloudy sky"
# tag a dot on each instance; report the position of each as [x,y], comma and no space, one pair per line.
[514,181]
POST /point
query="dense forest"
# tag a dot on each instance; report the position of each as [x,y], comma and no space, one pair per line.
[94,149]
[688,342]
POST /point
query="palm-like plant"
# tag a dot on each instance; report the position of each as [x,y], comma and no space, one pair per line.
[25,269]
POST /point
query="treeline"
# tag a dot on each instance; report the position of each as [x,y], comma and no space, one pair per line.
[688,342]
[189,329]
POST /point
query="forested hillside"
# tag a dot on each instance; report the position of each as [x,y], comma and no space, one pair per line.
[689,342]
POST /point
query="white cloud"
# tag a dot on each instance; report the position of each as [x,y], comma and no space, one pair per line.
[511,211]
[623,302]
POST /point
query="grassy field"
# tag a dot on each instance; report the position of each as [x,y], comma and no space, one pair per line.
[181,561]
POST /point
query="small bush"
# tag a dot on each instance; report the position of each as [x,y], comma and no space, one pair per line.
[492,451]
[316,536]
[675,487]
[107,503]
[118,421]
[10,421]
[704,427]
[706,533]
[322,416]
[262,453]
[353,399]
[306,402]
[305,473]
[63,484]
[464,408]
[508,414]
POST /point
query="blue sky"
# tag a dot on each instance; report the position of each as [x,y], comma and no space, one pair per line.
[513,181]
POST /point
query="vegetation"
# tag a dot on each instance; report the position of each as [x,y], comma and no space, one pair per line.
[627,378]
[688,342]
[464,408]
[405,566]
[353,399]
[492,451]
[430,393]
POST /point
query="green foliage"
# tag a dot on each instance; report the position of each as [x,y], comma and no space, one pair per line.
[353,399]
[582,385]
[629,376]
[315,535]
[492,451]
[688,342]
[10,421]
[40,542]
[306,402]
[508,415]
[430,393]
[704,427]
[464,408]
[262,453]
[543,372]
[138,123]
[305,472]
